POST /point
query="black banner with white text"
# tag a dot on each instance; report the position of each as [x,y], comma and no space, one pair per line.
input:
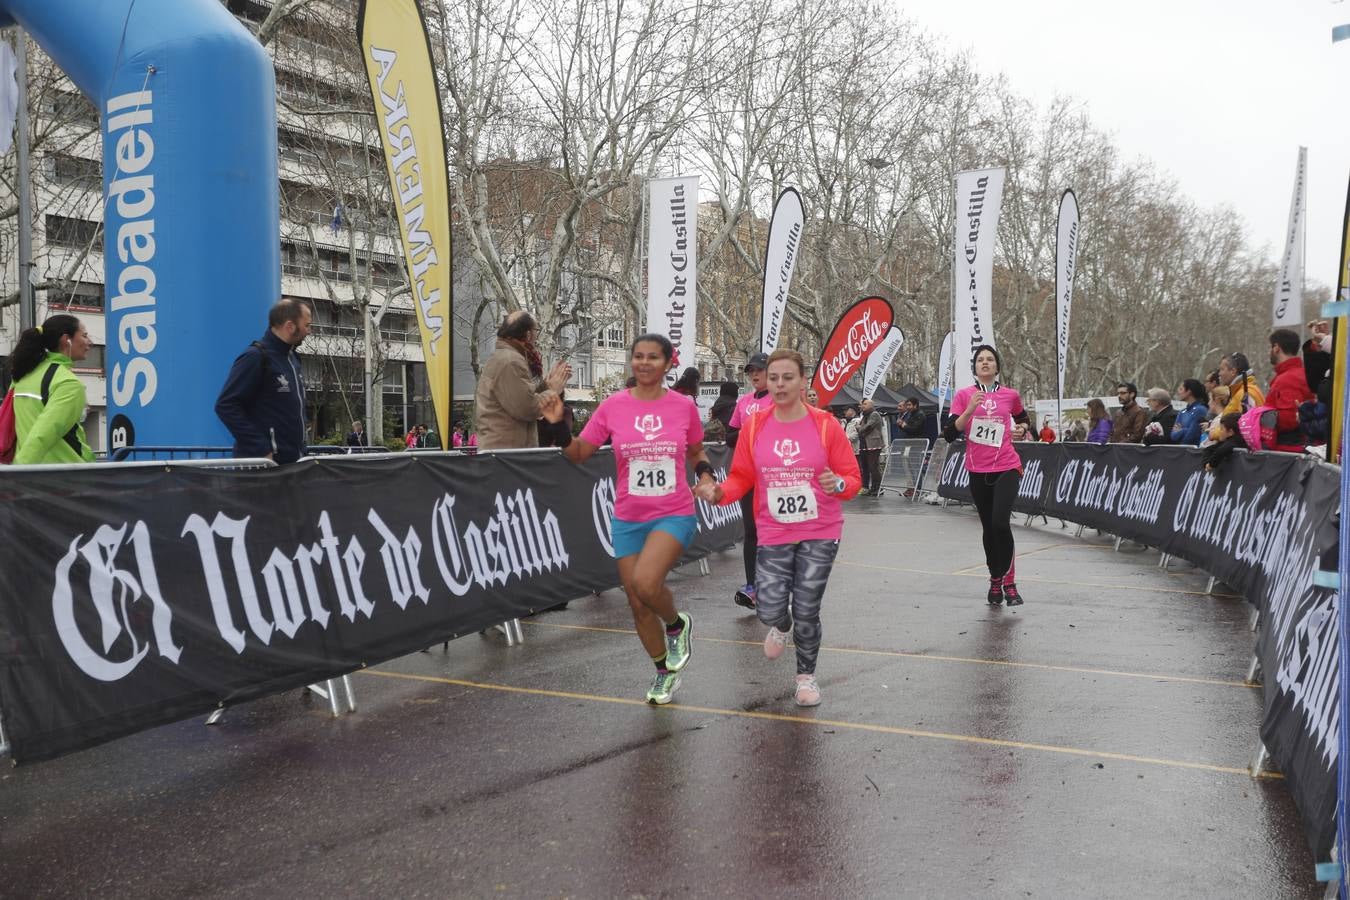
[1263,524]
[142,595]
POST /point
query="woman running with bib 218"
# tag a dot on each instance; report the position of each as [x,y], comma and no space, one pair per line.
[989,411]
[799,463]
[654,431]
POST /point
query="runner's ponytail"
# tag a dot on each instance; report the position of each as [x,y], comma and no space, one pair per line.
[34,343]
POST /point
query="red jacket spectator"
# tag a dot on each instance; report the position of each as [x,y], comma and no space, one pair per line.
[1288,389]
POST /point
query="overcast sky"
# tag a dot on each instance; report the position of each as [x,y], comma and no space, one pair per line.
[1218,94]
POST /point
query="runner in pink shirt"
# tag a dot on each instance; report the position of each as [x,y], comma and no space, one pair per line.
[991,418]
[800,465]
[757,368]
[654,431]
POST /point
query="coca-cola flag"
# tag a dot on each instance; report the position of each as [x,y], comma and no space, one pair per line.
[874,373]
[780,258]
[1066,261]
[858,332]
[978,195]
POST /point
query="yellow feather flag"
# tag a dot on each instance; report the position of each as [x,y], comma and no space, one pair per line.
[1340,334]
[397,54]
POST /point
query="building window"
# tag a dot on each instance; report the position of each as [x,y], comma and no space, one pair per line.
[317,92]
[307,262]
[399,328]
[248,10]
[385,274]
[76,295]
[86,173]
[76,234]
[581,374]
[613,336]
[73,108]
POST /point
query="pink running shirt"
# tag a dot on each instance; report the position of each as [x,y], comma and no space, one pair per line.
[989,446]
[651,440]
[747,406]
[789,504]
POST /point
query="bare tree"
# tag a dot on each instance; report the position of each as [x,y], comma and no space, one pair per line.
[557,114]
[67,189]
[338,229]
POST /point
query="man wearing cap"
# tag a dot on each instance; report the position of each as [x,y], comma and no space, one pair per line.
[757,368]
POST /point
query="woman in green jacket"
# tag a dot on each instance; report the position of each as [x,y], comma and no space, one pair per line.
[49,400]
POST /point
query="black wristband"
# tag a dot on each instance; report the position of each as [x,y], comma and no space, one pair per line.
[702,468]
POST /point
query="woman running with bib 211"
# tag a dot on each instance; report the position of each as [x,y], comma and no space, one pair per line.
[799,463]
[989,411]
[654,431]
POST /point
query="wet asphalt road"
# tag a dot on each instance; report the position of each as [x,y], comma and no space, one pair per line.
[1091,744]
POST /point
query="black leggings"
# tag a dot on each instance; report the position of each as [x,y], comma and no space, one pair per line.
[994,493]
[751,543]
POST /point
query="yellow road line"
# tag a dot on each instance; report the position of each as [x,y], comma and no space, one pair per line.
[831,723]
[1020,555]
[1045,667]
[1024,579]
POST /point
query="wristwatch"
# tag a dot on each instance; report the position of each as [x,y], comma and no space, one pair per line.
[839,486]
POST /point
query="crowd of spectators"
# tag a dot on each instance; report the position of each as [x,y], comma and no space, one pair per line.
[1291,412]
[1293,406]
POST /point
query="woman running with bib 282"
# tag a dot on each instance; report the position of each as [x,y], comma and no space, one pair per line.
[800,465]
[654,431]
[991,418]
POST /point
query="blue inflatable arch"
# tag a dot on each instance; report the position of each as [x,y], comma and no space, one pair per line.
[187,109]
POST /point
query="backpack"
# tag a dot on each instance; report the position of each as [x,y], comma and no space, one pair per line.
[714,430]
[1314,420]
[1257,427]
[9,431]
[266,363]
[9,434]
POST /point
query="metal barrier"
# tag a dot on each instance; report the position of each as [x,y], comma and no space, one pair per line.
[143,452]
[140,452]
[932,472]
[228,463]
[341,450]
[904,466]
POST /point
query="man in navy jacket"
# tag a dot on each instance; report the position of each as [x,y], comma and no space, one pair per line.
[263,400]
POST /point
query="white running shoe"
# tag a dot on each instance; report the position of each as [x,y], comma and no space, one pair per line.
[774,642]
[808,692]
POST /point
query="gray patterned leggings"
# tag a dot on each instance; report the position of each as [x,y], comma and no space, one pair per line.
[799,572]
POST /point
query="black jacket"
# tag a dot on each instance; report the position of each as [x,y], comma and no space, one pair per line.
[912,424]
[1166,418]
[263,401]
[722,409]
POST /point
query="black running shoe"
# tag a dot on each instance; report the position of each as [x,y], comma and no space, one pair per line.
[995,592]
[746,596]
[1011,596]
